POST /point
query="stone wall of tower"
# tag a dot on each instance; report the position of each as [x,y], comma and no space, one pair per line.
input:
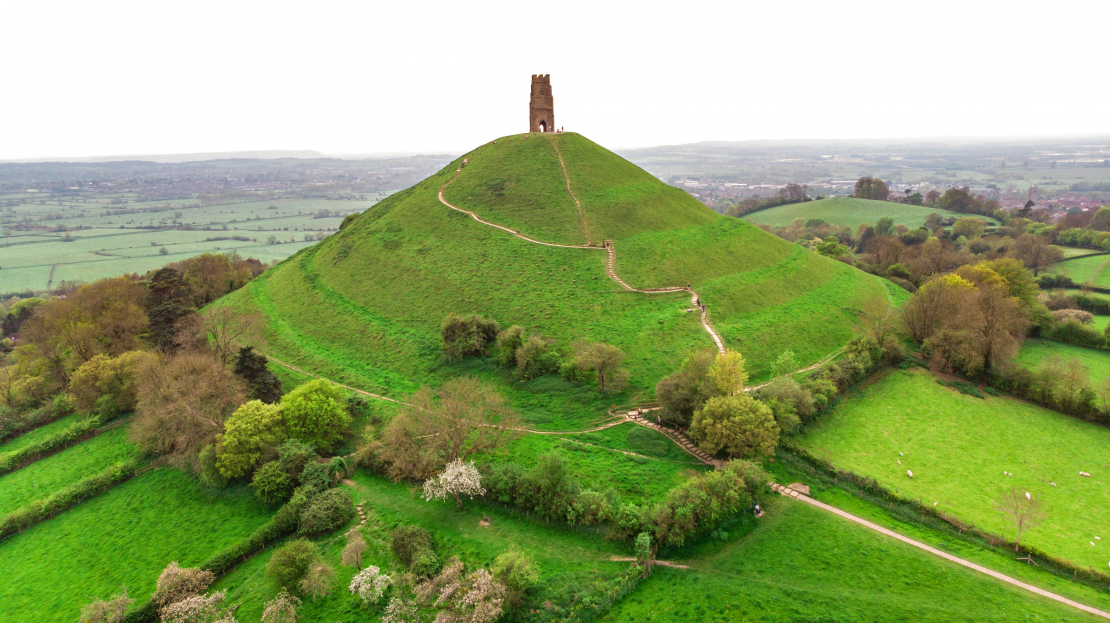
[541,107]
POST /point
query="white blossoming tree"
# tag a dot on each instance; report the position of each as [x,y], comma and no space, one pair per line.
[199,609]
[370,584]
[457,479]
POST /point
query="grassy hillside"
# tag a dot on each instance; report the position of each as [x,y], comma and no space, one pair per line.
[850,211]
[802,564]
[1086,269]
[1097,362]
[124,537]
[958,448]
[364,306]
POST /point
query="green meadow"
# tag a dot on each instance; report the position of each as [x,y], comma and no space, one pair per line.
[1097,362]
[851,212]
[959,448]
[124,537]
[1087,269]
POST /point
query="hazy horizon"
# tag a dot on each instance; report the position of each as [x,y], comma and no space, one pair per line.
[354,78]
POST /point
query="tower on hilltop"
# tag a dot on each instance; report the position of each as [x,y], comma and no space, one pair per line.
[541,108]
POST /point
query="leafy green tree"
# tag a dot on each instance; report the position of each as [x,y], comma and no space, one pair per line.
[516,571]
[916,199]
[968,227]
[534,358]
[884,226]
[872,188]
[290,563]
[737,424]
[271,484]
[316,475]
[685,391]
[606,361]
[728,373]
[314,413]
[254,430]
[262,384]
[831,247]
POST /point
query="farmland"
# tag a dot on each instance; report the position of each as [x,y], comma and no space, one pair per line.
[847,211]
[1097,362]
[1087,269]
[127,536]
[82,238]
[960,449]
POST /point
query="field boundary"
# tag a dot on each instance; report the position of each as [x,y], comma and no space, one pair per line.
[936,552]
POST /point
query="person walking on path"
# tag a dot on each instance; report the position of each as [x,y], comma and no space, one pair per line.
[659,421]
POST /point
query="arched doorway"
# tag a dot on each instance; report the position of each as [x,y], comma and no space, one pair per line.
[543,126]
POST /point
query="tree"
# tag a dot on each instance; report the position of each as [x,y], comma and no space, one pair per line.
[1035,252]
[933,303]
[645,552]
[999,325]
[272,484]
[370,585]
[176,583]
[884,226]
[105,383]
[872,188]
[738,424]
[253,369]
[319,580]
[968,227]
[915,199]
[199,609]
[508,341]
[685,391]
[281,609]
[516,571]
[462,418]
[111,610]
[728,373]
[831,247]
[254,430]
[183,402]
[290,563]
[314,414]
[353,551]
[456,480]
[606,361]
[1023,509]
[224,330]
[467,335]
[474,598]
[168,303]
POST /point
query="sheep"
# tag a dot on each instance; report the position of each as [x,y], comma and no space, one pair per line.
[909,473]
[1027,496]
[899,462]
[1052,483]
[1084,474]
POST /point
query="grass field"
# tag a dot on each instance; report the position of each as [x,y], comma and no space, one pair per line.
[850,211]
[39,433]
[573,562]
[1090,269]
[124,537]
[802,564]
[959,447]
[43,477]
[1070,252]
[80,239]
[1097,362]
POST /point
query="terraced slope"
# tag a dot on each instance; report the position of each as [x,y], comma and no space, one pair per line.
[364,306]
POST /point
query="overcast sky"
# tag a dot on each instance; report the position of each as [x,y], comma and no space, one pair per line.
[140,77]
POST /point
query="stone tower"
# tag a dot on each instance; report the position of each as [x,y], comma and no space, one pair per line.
[541,108]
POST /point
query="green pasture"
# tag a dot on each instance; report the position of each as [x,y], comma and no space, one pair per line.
[38,434]
[103,245]
[959,448]
[124,537]
[1097,362]
[804,564]
[1088,269]
[48,475]
[574,562]
[851,212]
[1070,252]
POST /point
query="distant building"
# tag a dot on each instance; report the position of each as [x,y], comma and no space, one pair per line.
[541,107]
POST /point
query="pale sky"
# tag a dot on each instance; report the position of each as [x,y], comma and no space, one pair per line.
[139,77]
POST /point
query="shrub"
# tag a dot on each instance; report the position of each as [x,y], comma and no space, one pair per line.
[327,512]
[110,610]
[700,503]
[370,584]
[1066,315]
[319,580]
[272,484]
[313,413]
[1049,281]
[516,571]
[176,583]
[283,608]
[467,335]
[1100,307]
[1073,332]
[288,565]
[208,470]
[737,424]
[508,341]
[316,475]
[535,358]
[413,547]
[337,467]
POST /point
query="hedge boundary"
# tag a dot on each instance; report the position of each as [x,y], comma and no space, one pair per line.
[912,511]
[63,439]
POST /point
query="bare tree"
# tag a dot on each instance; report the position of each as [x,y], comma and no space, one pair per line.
[1023,510]
[222,330]
[1035,252]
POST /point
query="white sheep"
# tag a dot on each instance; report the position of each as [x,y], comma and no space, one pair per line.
[1052,483]
[1084,474]
[1027,496]
[899,462]
[909,473]
[900,454]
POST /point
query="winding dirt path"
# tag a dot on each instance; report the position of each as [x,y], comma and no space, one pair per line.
[936,552]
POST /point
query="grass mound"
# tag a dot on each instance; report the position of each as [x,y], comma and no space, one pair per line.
[960,448]
[365,305]
[851,211]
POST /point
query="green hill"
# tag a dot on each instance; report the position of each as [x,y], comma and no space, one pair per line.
[364,306]
[850,211]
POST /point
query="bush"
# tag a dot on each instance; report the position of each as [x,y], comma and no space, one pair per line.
[467,335]
[288,565]
[327,512]
[963,387]
[1050,282]
[535,358]
[516,571]
[413,547]
[272,484]
[1073,332]
[293,455]
[1099,307]
[316,475]
[508,341]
